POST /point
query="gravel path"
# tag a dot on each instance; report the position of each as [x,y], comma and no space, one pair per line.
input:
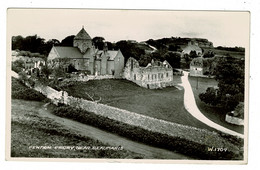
[191,107]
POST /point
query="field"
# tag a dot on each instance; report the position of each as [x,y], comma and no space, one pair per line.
[213,113]
[225,52]
[166,104]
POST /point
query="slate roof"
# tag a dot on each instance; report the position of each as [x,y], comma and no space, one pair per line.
[111,54]
[82,35]
[68,52]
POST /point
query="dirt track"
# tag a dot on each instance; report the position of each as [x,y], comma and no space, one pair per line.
[112,139]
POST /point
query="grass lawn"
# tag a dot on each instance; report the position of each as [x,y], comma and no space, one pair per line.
[213,113]
[28,128]
[166,104]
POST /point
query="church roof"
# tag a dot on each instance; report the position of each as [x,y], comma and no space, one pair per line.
[111,54]
[82,35]
[68,52]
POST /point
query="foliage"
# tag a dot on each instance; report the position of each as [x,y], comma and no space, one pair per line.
[210,96]
[18,65]
[20,91]
[30,54]
[193,54]
[236,49]
[33,44]
[144,60]
[239,110]
[98,42]
[174,59]
[229,73]
[68,41]
[129,49]
[173,47]
[209,54]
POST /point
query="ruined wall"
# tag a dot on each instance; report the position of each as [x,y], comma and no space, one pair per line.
[151,77]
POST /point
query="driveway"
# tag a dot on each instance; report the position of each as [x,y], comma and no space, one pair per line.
[191,107]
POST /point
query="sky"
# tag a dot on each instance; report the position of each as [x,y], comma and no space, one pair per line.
[222,28]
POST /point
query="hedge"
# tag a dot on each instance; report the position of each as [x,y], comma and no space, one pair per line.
[173,143]
[20,91]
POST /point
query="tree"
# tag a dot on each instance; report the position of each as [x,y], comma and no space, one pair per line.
[18,65]
[98,42]
[193,54]
[210,96]
[209,54]
[174,59]
[130,50]
[229,73]
[144,60]
[68,41]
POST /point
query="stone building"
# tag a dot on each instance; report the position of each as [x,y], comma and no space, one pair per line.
[85,57]
[203,67]
[154,75]
[192,46]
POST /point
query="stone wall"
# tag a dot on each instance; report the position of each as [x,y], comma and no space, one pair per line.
[201,136]
[234,120]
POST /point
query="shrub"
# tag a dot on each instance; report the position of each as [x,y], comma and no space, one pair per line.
[20,91]
[18,65]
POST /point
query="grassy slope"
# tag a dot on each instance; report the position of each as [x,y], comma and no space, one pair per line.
[213,113]
[166,104]
[28,128]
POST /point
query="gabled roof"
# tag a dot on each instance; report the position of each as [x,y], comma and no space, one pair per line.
[82,35]
[111,54]
[68,52]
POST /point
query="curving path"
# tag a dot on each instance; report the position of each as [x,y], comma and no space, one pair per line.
[191,107]
[149,152]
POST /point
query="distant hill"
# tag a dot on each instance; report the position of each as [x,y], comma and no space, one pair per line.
[177,43]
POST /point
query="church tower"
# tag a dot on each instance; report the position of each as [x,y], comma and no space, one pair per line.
[82,40]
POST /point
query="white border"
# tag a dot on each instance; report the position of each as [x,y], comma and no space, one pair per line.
[249,5]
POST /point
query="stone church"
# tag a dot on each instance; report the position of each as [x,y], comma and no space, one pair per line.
[85,57]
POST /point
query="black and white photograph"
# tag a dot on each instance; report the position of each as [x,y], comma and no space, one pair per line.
[127,85]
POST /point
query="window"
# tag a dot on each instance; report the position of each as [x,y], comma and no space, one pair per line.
[148,76]
[134,77]
[166,74]
[132,64]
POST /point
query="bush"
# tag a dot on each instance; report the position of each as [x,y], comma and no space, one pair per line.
[177,144]
[210,96]
[18,65]
[20,91]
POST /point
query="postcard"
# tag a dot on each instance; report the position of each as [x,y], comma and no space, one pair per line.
[155,86]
